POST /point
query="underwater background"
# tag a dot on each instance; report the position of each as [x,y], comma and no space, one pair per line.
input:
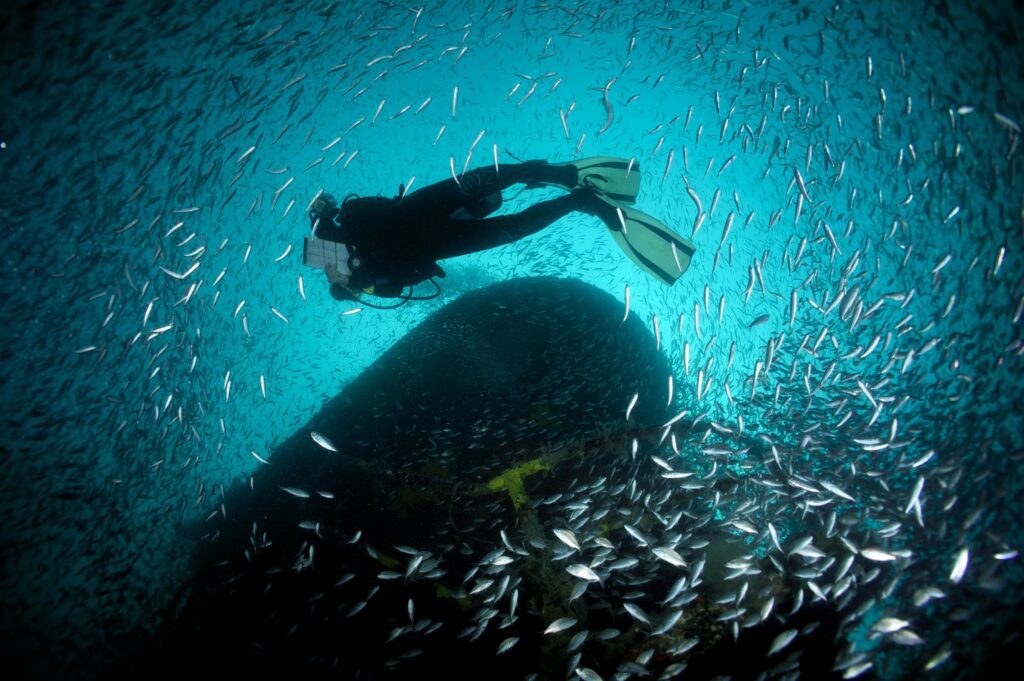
[849,173]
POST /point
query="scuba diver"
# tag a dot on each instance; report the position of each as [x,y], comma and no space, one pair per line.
[381,246]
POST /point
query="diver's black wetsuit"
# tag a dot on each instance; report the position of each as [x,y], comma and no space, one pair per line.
[397,242]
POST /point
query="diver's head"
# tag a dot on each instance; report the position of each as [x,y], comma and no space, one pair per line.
[323,216]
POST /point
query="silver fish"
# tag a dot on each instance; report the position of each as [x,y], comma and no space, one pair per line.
[323,441]
[637,613]
[782,640]
[667,623]
[878,555]
[959,566]
[669,555]
[507,644]
[560,625]
[568,538]
[296,492]
[889,625]
[583,572]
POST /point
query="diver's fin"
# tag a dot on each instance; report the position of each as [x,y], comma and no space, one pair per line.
[654,248]
[616,178]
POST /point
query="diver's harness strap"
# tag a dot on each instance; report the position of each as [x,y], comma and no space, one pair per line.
[339,292]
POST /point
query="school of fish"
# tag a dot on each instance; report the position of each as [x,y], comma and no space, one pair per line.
[847,343]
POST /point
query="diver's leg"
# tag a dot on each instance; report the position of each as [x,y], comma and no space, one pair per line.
[459,237]
[441,199]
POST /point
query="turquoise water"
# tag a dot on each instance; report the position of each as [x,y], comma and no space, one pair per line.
[138,144]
